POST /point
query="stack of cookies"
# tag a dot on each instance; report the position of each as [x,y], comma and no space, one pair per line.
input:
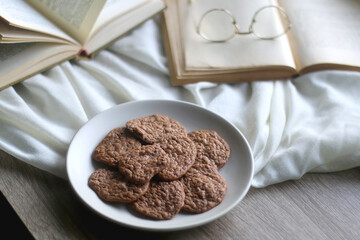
[154,164]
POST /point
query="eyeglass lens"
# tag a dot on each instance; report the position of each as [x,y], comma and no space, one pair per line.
[217,25]
[269,22]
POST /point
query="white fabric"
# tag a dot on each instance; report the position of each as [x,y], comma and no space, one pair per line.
[309,124]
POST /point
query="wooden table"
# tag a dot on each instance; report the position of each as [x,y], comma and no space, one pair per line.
[318,206]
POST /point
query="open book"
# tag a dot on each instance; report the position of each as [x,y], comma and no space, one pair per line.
[37,34]
[324,34]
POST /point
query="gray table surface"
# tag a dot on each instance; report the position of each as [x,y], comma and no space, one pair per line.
[317,206]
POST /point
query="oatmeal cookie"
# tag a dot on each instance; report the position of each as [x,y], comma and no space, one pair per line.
[182,152]
[162,201]
[116,142]
[211,145]
[111,186]
[204,188]
[140,165]
[155,128]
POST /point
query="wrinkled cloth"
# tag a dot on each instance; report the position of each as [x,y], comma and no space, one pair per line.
[306,124]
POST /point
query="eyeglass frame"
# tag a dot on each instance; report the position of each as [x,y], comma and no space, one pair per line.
[237,28]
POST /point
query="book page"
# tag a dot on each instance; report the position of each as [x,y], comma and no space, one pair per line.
[325,31]
[11,34]
[242,51]
[19,60]
[18,13]
[123,23]
[75,17]
[115,8]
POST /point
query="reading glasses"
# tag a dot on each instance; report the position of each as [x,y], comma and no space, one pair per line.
[220,25]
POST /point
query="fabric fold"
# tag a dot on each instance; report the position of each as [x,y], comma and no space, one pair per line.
[295,126]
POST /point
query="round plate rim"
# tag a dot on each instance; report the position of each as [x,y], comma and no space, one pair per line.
[159,228]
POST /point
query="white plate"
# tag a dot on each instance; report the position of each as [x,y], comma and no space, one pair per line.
[238,171]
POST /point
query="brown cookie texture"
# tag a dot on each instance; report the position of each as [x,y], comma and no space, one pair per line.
[204,167]
[155,128]
[211,145]
[201,160]
[111,186]
[182,152]
[204,188]
[140,165]
[162,201]
[154,164]
[116,142]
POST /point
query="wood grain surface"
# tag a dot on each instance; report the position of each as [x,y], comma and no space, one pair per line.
[318,206]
